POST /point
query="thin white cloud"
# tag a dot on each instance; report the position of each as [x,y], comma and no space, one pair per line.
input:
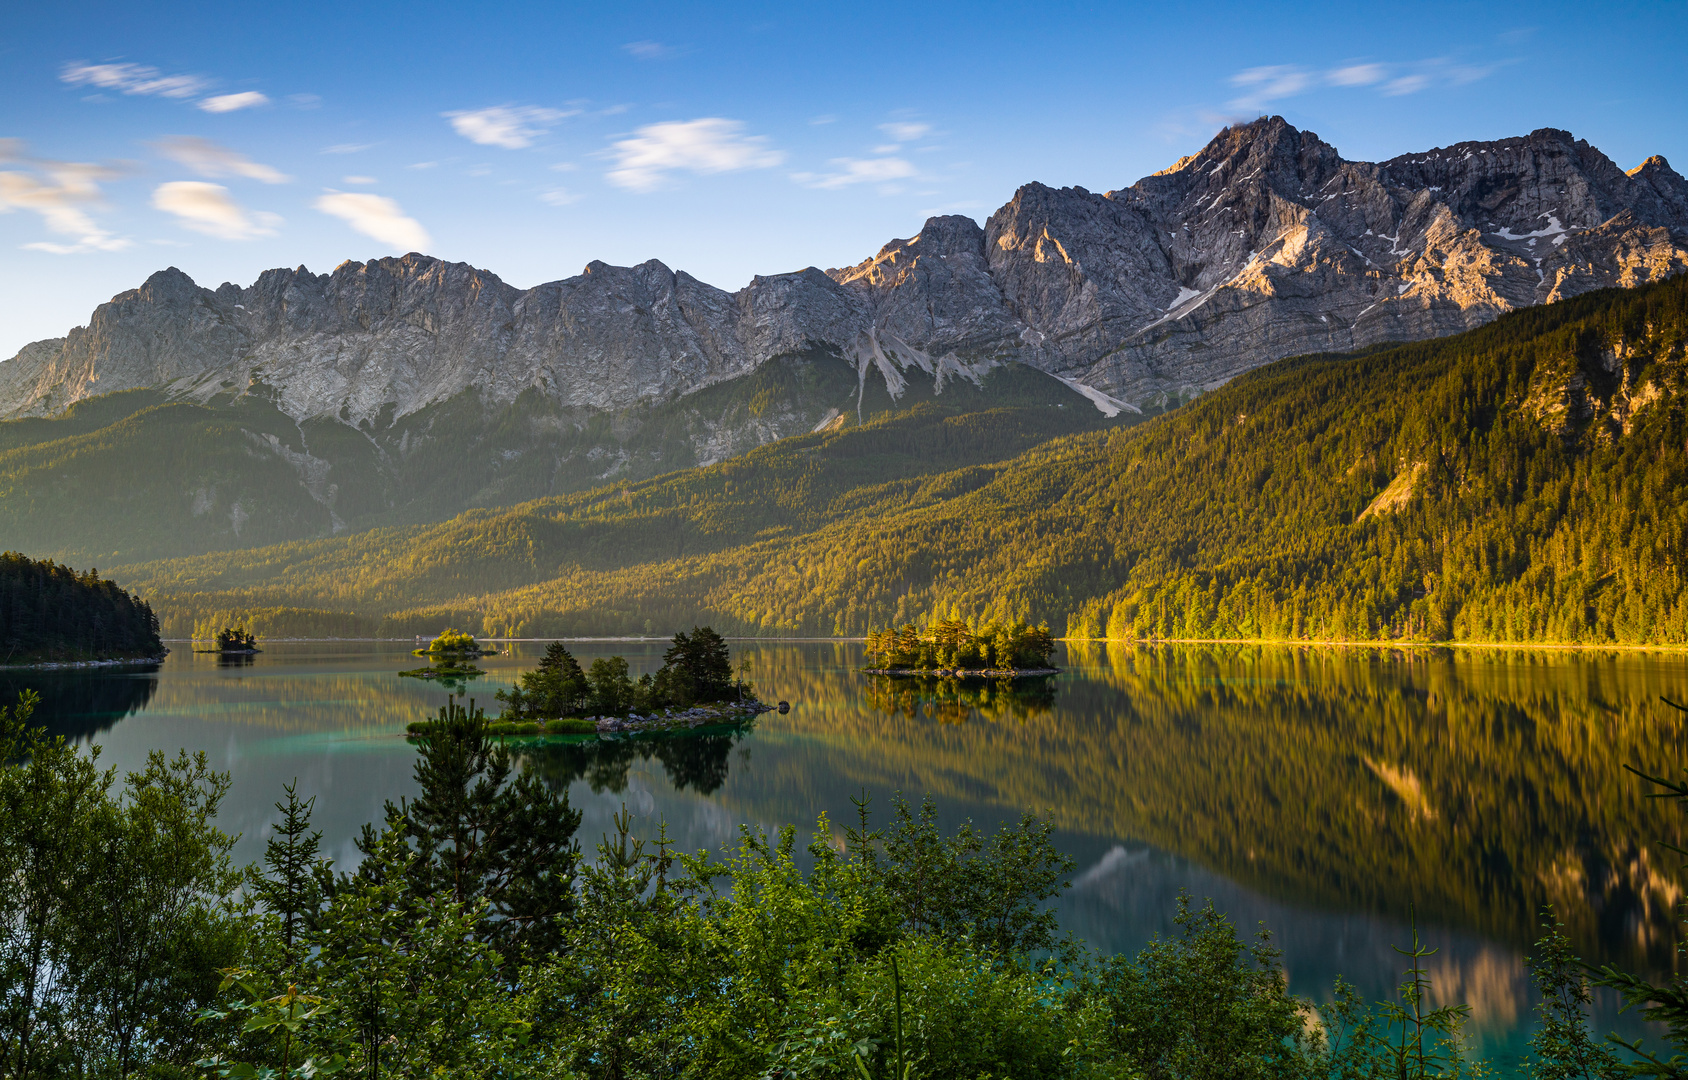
[346,148]
[512,127]
[62,193]
[1263,85]
[377,217]
[649,50]
[558,197]
[212,159]
[357,179]
[1358,75]
[1406,84]
[208,208]
[707,145]
[222,103]
[850,171]
[905,131]
[133,79]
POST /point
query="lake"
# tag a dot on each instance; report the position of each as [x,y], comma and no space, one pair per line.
[1332,794]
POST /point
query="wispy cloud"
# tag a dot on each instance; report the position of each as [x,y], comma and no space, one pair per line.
[62,193]
[209,209]
[850,171]
[649,50]
[133,79]
[357,180]
[211,159]
[558,197]
[905,131]
[708,145]
[509,126]
[1261,86]
[222,103]
[377,217]
[347,148]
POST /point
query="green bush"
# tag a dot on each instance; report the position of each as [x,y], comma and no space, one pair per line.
[572,725]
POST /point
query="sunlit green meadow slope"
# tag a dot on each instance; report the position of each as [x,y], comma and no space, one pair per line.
[1518,483]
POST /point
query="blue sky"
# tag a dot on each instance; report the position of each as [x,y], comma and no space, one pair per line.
[725,140]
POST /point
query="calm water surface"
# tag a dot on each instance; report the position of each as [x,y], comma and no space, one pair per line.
[1327,793]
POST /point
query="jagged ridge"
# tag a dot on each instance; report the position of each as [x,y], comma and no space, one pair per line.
[1266,243]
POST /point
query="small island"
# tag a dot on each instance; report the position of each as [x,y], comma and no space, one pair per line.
[695,688]
[452,654]
[233,641]
[953,648]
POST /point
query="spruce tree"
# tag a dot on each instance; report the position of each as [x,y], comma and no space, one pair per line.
[484,832]
[290,886]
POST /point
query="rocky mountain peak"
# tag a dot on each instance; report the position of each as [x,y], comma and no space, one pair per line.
[1264,243]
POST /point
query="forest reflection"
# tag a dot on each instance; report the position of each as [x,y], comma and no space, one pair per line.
[79,703]
[1473,786]
[694,761]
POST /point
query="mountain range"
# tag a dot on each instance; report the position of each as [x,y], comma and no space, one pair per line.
[408,389]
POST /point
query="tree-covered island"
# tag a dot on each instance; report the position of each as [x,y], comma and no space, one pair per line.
[695,686]
[956,648]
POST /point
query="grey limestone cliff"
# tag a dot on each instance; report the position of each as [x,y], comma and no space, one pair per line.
[1265,244]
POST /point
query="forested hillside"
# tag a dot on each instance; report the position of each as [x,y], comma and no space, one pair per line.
[52,613]
[141,475]
[1521,482]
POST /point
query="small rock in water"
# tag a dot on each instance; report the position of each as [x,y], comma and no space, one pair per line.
[785,707]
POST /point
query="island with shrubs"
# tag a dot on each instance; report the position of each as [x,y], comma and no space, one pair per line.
[451,657]
[957,649]
[695,687]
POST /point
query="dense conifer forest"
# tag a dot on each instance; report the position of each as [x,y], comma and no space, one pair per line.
[1518,483]
[51,613]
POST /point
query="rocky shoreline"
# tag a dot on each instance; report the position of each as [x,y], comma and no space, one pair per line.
[55,665]
[669,720]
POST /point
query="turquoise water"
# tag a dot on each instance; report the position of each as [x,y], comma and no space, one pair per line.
[1331,794]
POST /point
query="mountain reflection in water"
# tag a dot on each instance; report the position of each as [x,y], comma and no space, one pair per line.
[1331,793]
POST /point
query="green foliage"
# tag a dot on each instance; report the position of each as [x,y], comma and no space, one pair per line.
[952,644]
[1204,1005]
[115,907]
[235,639]
[452,643]
[696,668]
[556,688]
[483,836]
[50,612]
[1561,1047]
[610,689]
[990,891]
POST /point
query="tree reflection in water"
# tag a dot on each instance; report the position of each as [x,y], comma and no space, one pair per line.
[958,700]
[79,703]
[695,760]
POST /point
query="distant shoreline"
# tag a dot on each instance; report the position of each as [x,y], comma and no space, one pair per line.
[1323,644]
